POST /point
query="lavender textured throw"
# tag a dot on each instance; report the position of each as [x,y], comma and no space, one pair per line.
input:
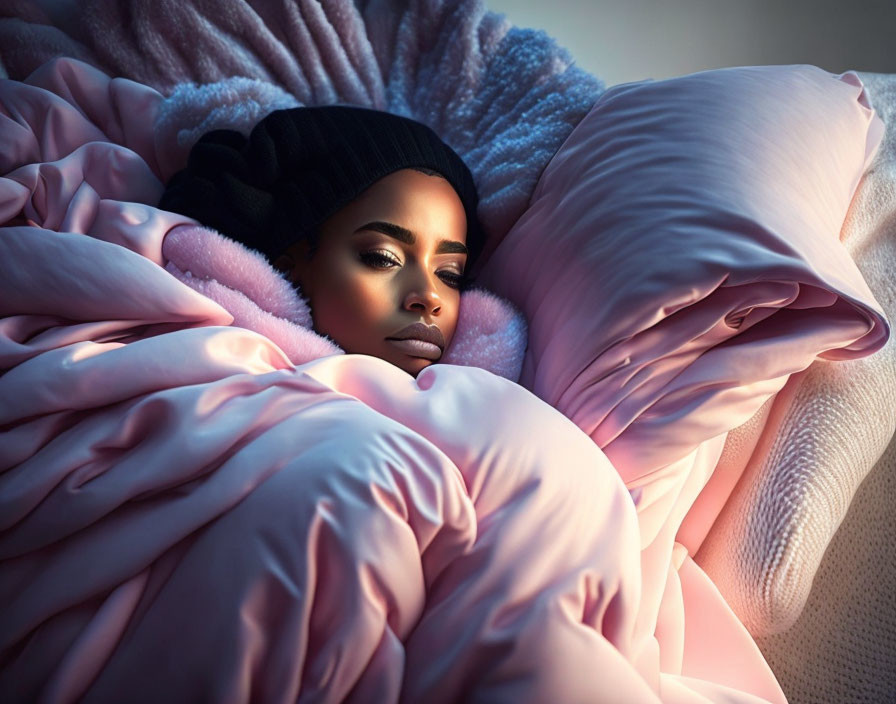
[464,71]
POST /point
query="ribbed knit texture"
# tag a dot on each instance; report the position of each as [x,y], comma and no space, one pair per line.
[301,165]
[764,550]
[843,646]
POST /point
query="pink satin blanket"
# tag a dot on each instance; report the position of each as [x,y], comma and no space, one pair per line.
[187,516]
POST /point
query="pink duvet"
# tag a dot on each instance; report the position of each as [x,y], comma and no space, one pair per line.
[186,516]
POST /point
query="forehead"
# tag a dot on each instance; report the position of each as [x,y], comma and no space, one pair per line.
[427,206]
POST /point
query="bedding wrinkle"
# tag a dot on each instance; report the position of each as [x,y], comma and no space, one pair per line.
[96,642]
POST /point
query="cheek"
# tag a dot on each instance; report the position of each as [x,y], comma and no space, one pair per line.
[451,298]
[351,308]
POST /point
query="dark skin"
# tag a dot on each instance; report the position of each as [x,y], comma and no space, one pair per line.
[364,285]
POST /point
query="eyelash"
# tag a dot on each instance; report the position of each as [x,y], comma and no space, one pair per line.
[456,280]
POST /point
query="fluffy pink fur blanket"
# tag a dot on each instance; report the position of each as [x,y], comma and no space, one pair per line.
[490,332]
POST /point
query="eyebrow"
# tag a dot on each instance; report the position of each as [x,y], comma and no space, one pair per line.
[408,237]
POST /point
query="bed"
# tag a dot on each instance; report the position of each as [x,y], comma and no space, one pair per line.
[677,490]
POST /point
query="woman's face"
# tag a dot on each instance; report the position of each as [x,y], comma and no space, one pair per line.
[389,259]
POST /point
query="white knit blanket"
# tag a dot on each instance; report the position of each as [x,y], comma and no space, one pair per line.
[805,453]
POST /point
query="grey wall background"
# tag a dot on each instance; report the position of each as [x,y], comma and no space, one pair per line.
[630,40]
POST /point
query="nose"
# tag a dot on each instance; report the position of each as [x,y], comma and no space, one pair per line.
[422,293]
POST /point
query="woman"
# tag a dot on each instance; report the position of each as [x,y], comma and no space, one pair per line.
[370,215]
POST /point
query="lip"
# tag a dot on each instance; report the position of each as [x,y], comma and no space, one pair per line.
[420,331]
[417,348]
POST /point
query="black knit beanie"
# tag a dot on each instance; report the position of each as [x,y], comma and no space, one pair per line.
[301,165]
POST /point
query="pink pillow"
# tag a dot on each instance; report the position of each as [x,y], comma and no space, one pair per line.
[679,258]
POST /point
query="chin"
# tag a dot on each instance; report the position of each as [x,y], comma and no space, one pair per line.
[416,365]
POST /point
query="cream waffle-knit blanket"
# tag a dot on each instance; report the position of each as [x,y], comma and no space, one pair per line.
[805,453]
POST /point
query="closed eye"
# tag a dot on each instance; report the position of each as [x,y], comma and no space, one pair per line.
[379,260]
[368,257]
